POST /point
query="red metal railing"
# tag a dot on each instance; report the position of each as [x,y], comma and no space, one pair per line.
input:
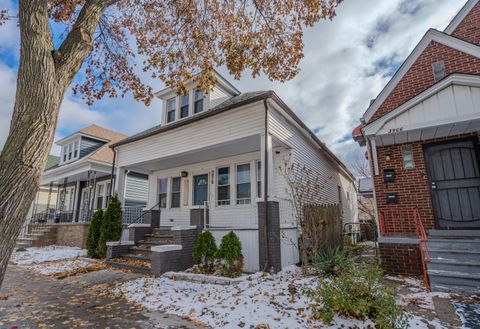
[423,244]
[407,222]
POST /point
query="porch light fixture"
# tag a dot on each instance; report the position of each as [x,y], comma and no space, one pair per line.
[184,174]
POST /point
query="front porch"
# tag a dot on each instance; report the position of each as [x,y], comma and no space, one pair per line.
[221,188]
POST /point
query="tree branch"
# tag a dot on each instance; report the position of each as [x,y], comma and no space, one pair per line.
[79,41]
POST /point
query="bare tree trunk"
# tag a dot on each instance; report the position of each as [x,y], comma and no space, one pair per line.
[41,85]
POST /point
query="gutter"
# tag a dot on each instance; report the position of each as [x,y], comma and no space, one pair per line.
[112,179]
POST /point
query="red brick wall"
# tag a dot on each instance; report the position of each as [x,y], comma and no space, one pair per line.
[420,76]
[469,28]
[411,185]
[401,258]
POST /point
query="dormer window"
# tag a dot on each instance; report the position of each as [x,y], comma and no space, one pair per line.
[184,108]
[198,102]
[65,153]
[75,150]
[70,149]
[171,107]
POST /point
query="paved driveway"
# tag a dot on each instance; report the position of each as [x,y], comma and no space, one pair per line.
[35,301]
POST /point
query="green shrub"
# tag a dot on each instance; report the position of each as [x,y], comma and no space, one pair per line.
[332,261]
[204,252]
[94,234]
[111,229]
[230,255]
[359,293]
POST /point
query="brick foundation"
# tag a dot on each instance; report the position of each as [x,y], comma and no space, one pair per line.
[401,258]
[272,231]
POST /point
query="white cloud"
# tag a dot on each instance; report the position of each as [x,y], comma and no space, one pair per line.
[347,62]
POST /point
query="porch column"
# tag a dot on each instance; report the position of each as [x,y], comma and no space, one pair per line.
[75,202]
[120,185]
[269,161]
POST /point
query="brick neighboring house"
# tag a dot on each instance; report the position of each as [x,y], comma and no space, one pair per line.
[422,138]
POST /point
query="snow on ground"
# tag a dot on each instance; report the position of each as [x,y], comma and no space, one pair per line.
[36,255]
[61,266]
[261,299]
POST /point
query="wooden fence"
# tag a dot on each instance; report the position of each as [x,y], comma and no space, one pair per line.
[322,226]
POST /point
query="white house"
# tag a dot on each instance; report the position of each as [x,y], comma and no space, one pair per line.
[215,159]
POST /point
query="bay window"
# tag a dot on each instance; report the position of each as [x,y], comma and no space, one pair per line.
[243,184]
[223,186]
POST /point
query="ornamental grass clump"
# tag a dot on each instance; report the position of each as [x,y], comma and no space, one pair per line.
[230,255]
[358,293]
[332,261]
[204,252]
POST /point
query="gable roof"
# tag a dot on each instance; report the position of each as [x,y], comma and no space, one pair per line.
[234,103]
[460,16]
[430,36]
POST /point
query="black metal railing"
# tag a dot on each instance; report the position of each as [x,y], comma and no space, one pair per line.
[141,216]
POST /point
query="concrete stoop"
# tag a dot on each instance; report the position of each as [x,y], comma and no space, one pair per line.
[455,261]
[37,237]
[156,252]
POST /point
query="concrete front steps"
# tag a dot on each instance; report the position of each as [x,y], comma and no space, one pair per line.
[38,237]
[455,261]
[137,258]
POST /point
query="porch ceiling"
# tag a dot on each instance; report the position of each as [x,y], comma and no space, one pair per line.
[74,172]
[217,151]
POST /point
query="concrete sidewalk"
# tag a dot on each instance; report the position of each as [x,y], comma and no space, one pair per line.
[85,300]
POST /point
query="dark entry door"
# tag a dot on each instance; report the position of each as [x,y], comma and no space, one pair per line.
[200,189]
[454,174]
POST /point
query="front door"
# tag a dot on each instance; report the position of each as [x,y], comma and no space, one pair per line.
[453,171]
[200,189]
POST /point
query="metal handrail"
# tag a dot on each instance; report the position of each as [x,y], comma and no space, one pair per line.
[137,220]
[423,245]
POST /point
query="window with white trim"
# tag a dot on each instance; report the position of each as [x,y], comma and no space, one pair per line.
[243,184]
[198,101]
[100,195]
[162,192]
[171,107]
[259,179]
[70,149]
[76,149]
[175,195]
[223,186]
[407,155]
[64,153]
[184,106]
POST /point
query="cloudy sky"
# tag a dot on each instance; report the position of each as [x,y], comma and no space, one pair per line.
[347,62]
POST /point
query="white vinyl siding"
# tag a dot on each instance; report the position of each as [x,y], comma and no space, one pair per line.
[224,127]
[218,96]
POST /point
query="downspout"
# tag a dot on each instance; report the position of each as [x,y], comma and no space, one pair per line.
[265,183]
[112,177]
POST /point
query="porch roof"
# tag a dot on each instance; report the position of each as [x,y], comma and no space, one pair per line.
[218,151]
[75,171]
[449,108]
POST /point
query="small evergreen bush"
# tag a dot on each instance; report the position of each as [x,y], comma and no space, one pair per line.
[204,252]
[358,293]
[111,229]
[94,234]
[332,261]
[230,255]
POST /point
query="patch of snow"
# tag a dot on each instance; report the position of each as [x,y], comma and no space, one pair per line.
[36,255]
[260,299]
[56,267]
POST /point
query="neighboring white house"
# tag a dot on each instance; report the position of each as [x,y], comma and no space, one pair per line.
[80,181]
[207,158]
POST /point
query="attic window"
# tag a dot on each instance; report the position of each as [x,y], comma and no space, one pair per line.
[171,106]
[438,70]
[198,104]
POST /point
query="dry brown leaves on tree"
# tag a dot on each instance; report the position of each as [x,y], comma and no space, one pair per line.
[175,40]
